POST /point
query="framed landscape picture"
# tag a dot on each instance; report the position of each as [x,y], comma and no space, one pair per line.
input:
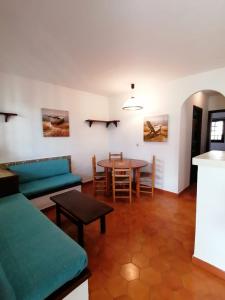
[156,128]
[55,123]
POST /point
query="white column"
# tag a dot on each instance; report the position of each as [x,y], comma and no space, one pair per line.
[210,209]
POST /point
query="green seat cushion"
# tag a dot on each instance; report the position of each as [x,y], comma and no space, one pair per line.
[37,257]
[36,187]
[41,169]
[6,290]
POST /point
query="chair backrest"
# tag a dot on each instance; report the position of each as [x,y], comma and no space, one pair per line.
[122,172]
[93,165]
[116,156]
[122,181]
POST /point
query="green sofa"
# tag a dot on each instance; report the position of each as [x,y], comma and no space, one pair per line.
[36,257]
[38,178]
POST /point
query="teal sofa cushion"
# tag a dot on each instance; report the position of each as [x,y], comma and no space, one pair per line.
[35,187]
[37,257]
[6,290]
[41,169]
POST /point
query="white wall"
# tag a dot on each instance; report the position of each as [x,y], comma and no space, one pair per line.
[21,137]
[179,90]
[129,136]
[167,98]
[216,102]
[199,99]
[207,101]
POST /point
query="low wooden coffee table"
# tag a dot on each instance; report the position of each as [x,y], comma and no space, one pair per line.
[81,210]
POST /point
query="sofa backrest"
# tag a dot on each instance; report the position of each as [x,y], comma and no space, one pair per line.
[30,171]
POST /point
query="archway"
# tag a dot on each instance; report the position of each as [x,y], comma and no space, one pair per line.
[206,100]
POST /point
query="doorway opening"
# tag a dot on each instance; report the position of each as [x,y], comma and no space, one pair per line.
[195,130]
[216,130]
[196,140]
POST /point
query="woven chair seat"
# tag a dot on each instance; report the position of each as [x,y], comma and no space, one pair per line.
[147,179]
[100,174]
[145,174]
[99,178]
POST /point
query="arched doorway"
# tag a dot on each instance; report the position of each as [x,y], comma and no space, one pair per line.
[195,130]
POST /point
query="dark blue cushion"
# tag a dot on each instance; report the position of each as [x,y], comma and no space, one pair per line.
[36,256]
[46,185]
[41,169]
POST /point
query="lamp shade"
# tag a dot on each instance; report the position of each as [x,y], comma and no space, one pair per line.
[132,103]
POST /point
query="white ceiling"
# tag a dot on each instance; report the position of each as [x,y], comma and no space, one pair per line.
[102,46]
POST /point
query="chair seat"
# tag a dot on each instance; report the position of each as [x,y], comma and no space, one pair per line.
[145,174]
[99,178]
[147,179]
[146,185]
[122,183]
[100,174]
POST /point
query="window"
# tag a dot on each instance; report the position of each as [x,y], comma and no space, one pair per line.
[217,131]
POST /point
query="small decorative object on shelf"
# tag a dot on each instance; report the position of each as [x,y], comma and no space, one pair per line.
[107,123]
[7,115]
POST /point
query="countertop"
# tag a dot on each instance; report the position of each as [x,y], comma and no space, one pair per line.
[213,158]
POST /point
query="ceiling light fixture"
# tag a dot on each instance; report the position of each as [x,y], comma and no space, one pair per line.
[132,103]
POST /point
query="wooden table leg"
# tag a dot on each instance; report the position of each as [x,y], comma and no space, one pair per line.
[134,180]
[107,181]
[138,182]
[80,228]
[58,216]
[102,224]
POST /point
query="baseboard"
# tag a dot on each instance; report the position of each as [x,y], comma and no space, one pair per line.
[166,192]
[183,191]
[186,188]
[208,267]
[90,181]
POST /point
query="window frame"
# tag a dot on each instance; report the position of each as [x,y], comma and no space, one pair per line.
[222,138]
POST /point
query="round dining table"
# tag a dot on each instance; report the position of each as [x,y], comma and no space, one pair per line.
[134,164]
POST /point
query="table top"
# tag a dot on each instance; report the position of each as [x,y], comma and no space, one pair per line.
[81,206]
[124,163]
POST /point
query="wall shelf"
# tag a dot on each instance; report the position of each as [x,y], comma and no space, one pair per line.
[107,123]
[7,115]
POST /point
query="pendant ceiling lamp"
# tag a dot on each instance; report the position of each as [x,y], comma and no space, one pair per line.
[132,103]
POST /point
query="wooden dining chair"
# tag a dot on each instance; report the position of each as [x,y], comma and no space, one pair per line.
[147,179]
[116,156]
[122,182]
[99,178]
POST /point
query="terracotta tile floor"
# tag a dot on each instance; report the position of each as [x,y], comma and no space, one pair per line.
[146,251]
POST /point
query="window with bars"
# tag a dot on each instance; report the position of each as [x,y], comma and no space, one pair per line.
[217,131]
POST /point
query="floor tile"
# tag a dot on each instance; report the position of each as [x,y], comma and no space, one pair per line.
[117,286]
[129,271]
[146,252]
[138,290]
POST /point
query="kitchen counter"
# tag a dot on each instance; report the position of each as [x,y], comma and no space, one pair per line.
[210,212]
